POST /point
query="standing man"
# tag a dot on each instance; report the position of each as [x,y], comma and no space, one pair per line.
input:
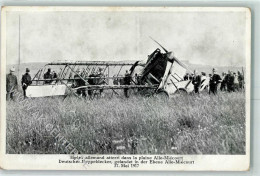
[100,80]
[186,77]
[26,81]
[127,81]
[11,84]
[48,76]
[196,81]
[214,81]
[223,86]
[236,83]
[79,82]
[240,80]
[230,81]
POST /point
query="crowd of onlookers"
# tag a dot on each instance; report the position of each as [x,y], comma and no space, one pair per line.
[230,81]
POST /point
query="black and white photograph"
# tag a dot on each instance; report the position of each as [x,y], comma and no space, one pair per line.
[151,87]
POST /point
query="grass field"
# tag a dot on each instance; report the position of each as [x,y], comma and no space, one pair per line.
[191,124]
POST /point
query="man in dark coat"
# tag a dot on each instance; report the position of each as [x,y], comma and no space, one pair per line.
[54,75]
[186,77]
[240,80]
[230,81]
[214,81]
[127,81]
[26,81]
[11,84]
[100,78]
[196,81]
[48,75]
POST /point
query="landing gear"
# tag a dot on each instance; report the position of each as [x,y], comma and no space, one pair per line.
[181,92]
[162,95]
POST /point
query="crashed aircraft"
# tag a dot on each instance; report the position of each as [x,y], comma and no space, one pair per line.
[162,74]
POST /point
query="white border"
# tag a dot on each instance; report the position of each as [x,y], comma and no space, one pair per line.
[50,162]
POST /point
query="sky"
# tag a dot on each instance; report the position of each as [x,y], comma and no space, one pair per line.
[208,38]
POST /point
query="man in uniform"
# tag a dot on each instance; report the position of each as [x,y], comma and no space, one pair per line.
[127,81]
[48,75]
[230,81]
[26,81]
[11,84]
[196,81]
[214,81]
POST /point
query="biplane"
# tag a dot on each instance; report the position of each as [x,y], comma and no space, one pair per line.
[161,74]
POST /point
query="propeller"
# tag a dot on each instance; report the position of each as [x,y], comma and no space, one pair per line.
[159,44]
[172,57]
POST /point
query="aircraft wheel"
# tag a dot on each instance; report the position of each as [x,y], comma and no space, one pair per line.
[181,92]
[162,95]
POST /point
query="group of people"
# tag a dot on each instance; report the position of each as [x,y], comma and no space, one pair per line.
[49,76]
[12,81]
[93,79]
[229,82]
[232,81]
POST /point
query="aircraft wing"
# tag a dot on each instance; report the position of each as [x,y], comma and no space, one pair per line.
[97,63]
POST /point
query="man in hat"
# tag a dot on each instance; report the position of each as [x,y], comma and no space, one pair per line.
[127,81]
[214,81]
[196,81]
[11,84]
[26,81]
[48,76]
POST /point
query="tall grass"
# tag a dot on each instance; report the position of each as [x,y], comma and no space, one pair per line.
[191,124]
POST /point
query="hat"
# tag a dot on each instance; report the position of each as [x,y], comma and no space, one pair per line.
[27,70]
[12,69]
[49,69]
